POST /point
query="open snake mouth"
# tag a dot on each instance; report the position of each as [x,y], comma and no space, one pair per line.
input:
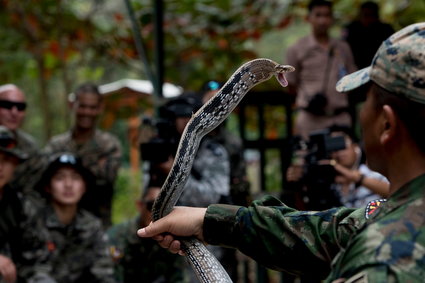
[281,71]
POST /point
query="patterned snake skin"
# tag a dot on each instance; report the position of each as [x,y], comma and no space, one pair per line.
[207,118]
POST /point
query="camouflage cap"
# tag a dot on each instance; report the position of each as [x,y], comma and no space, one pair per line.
[9,144]
[398,65]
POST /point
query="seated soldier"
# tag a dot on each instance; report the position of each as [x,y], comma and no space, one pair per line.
[73,236]
[10,206]
[142,260]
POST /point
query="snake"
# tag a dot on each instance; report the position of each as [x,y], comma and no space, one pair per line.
[207,268]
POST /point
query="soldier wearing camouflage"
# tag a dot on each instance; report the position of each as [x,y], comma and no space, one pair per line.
[99,151]
[77,252]
[383,242]
[14,208]
[12,114]
[74,238]
[142,260]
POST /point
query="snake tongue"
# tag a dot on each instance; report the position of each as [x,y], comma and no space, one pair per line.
[282,80]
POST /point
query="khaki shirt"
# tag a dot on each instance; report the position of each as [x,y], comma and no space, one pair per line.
[310,61]
[317,71]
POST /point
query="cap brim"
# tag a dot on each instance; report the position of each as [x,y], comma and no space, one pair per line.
[354,80]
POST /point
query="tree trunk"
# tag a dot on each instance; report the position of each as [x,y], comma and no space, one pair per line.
[44,98]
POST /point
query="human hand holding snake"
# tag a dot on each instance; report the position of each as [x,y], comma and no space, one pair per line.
[207,118]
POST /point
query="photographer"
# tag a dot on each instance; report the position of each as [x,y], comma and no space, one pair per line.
[333,166]
[320,61]
[210,175]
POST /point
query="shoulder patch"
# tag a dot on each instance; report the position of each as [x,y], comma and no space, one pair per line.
[115,253]
[372,206]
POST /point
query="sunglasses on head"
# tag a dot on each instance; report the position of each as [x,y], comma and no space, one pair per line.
[7,104]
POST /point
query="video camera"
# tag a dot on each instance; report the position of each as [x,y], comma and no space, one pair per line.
[318,173]
[320,146]
[164,144]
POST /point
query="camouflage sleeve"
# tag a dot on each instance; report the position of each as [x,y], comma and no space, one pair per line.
[209,179]
[102,268]
[378,273]
[280,237]
[104,162]
[111,162]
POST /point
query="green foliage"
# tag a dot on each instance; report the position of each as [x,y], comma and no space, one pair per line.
[210,35]
[127,191]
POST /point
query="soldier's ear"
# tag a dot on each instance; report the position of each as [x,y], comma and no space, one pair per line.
[389,125]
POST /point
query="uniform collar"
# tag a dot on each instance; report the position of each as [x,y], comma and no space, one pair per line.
[52,220]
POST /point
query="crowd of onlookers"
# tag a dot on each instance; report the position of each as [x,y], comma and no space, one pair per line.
[55,201]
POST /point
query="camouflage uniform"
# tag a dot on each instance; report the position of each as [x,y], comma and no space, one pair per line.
[141,259]
[210,176]
[26,142]
[102,156]
[340,240]
[77,252]
[10,218]
[14,210]
[384,243]
[23,173]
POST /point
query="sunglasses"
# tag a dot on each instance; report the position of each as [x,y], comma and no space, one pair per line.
[149,204]
[7,104]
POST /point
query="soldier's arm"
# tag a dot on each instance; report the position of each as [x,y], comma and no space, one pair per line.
[105,163]
[280,237]
[273,234]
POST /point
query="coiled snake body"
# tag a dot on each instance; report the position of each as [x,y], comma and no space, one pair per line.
[208,117]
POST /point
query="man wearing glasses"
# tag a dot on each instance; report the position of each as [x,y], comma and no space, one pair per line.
[12,114]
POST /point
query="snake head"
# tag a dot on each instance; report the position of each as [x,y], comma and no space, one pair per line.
[281,70]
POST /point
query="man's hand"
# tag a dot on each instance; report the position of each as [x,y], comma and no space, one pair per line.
[181,222]
[347,175]
[7,269]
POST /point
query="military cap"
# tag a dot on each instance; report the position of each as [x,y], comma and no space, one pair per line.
[398,65]
[9,144]
[64,159]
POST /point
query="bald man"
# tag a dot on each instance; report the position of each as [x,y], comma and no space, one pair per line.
[12,114]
